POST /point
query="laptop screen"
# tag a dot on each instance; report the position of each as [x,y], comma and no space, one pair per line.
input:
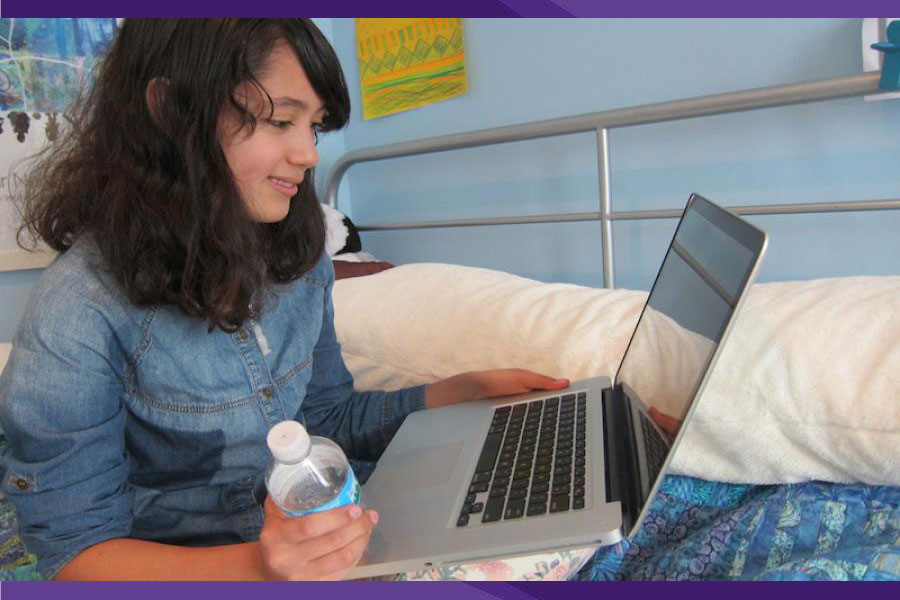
[710,259]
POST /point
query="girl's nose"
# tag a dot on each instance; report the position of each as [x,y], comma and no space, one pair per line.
[303,151]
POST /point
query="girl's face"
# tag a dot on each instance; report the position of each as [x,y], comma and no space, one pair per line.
[269,162]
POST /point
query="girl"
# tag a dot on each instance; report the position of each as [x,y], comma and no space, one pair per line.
[190,310]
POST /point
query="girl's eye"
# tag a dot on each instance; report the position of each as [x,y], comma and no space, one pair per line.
[280,124]
[317,129]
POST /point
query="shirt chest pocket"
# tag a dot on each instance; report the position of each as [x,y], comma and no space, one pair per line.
[211,379]
[187,370]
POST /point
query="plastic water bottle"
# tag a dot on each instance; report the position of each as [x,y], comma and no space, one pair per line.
[308,473]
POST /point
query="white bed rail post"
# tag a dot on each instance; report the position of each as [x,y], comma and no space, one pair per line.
[609,277]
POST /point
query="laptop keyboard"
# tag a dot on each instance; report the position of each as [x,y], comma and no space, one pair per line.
[532,461]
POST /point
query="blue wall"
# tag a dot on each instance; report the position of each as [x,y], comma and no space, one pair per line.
[527,70]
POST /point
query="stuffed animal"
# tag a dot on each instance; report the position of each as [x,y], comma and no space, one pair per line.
[342,236]
[343,244]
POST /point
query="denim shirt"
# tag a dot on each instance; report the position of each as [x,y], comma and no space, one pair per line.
[127,421]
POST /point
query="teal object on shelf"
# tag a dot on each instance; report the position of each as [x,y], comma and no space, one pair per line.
[890,68]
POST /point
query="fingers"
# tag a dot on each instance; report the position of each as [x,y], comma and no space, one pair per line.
[341,537]
[337,552]
[316,546]
[537,381]
[551,383]
[313,525]
[505,382]
[339,562]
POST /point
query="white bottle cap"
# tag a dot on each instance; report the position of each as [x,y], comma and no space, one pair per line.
[288,442]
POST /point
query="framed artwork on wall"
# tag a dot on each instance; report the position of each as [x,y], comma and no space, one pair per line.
[409,63]
[44,66]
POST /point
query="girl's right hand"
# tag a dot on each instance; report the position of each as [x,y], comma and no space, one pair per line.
[320,546]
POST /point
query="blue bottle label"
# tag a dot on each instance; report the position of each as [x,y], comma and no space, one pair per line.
[349,494]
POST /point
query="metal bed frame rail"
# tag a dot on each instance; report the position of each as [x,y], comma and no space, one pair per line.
[602,122]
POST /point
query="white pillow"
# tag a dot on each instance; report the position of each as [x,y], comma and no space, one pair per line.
[806,388]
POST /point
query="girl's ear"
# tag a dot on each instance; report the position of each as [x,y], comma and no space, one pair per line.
[157,88]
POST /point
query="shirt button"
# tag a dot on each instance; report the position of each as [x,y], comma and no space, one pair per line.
[21,484]
[267,392]
[244,334]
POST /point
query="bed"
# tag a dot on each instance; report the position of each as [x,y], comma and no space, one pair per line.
[787,471]
[790,467]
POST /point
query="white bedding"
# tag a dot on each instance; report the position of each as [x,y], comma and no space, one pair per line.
[807,388]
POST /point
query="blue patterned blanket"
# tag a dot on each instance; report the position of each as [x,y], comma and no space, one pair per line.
[708,530]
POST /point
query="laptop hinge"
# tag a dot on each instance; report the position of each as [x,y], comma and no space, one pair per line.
[620,451]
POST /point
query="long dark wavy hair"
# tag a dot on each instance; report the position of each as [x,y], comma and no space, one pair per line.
[153,187]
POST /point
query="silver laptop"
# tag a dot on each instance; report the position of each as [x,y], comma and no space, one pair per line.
[578,467]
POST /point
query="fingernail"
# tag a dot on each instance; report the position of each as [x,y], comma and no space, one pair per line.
[355,512]
[374,516]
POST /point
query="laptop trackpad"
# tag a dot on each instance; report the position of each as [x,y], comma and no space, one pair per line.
[420,467]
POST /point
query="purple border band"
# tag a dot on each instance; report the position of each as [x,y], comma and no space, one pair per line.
[455,8]
[438,591]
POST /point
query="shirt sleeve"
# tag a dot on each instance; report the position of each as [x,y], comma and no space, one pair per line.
[362,423]
[60,409]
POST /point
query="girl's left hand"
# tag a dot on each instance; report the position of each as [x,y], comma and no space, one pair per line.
[488,384]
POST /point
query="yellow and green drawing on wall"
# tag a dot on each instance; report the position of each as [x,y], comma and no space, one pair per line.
[409,63]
